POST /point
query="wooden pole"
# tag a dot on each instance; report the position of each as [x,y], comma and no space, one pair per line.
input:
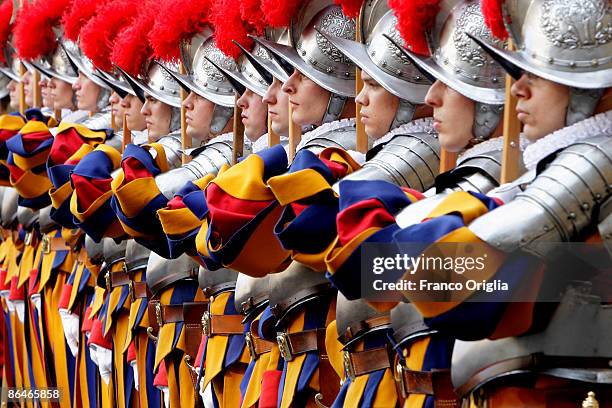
[185,140]
[512,130]
[273,138]
[57,114]
[238,141]
[127,134]
[36,94]
[448,160]
[295,135]
[113,121]
[362,139]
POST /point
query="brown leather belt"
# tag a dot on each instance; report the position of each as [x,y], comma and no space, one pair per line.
[293,344]
[257,346]
[189,313]
[139,290]
[363,327]
[119,278]
[436,383]
[223,325]
[363,362]
[220,287]
[248,305]
[53,244]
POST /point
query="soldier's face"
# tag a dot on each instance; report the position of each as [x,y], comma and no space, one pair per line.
[541,106]
[26,79]
[61,92]
[13,88]
[157,117]
[453,116]
[132,106]
[308,100]
[378,107]
[45,93]
[254,114]
[278,107]
[116,108]
[198,116]
[87,93]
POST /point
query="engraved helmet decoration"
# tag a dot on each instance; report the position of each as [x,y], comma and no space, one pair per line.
[269,62]
[565,41]
[313,55]
[457,61]
[157,83]
[58,65]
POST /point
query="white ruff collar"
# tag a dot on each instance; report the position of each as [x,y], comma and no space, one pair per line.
[324,129]
[598,125]
[495,144]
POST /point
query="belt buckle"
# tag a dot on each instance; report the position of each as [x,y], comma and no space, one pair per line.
[206,329]
[107,278]
[46,244]
[284,346]
[349,368]
[158,314]
[131,290]
[399,379]
[248,338]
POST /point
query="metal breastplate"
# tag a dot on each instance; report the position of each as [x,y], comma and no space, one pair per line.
[95,250]
[406,160]
[162,272]
[113,252]
[44,220]
[214,282]
[579,329]
[99,120]
[9,207]
[479,173]
[293,287]
[136,256]
[356,318]
[339,134]
[605,224]
[407,323]
[251,293]
[26,216]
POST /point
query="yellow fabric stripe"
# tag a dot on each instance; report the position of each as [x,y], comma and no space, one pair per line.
[78,275]
[120,328]
[27,163]
[113,302]
[216,345]
[31,185]
[386,394]
[98,301]
[294,367]
[244,181]
[34,126]
[160,157]
[334,349]
[201,183]
[338,256]
[11,122]
[178,222]
[60,195]
[135,195]
[141,344]
[460,202]
[291,187]
[415,356]
[339,155]
[83,131]
[88,212]
[166,332]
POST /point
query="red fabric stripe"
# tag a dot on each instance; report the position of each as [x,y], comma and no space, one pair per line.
[133,169]
[298,208]
[16,293]
[269,389]
[338,169]
[87,322]
[96,337]
[65,145]
[7,134]
[230,213]
[176,203]
[361,216]
[3,286]
[32,140]
[131,352]
[16,172]
[161,378]
[416,194]
[33,282]
[65,296]
[88,190]
[201,349]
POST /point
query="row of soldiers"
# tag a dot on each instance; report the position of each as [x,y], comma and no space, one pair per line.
[190,187]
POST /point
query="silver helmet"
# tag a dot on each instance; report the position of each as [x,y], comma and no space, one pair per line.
[11,67]
[383,61]
[458,62]
[206,81]
[270,62]
[58,65]
[86,67]
[157,83]
[565,41]
[117,84]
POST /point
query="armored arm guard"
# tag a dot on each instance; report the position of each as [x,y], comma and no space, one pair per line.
[208,160]
[9,207]
[95,250]
[162,272]
[100,120]
[27,216]
[562,200]
[340,133]
[45,222]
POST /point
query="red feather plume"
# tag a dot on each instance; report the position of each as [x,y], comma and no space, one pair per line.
[98,35]
[350,8]
[77,15]
[494,18]
[33,32]
[178,20]
[6,11]
[132,49]
[226,19]
[278,13]
[250,11]
[414,19]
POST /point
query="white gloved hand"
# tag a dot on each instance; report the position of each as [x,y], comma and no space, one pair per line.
[70,321]
[20,309]
[206,394]
[166,394]
[93,354]
[36,301]
[105,362]
[135,369]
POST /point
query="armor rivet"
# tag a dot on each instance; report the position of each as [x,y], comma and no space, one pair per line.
[494,80]
[216,88]
[572,64]
[303,53]
[598,196]
[513,144]
[585,206]
[551,60]
[329,69]
[384,63]
[347,74]
[594,62]
[398,72]
[457,70]
[161,88]
[475,78]
[446,60]
[498,244]
[572,216]
[546,228]
[417,78]
[314,62]
[373,53]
